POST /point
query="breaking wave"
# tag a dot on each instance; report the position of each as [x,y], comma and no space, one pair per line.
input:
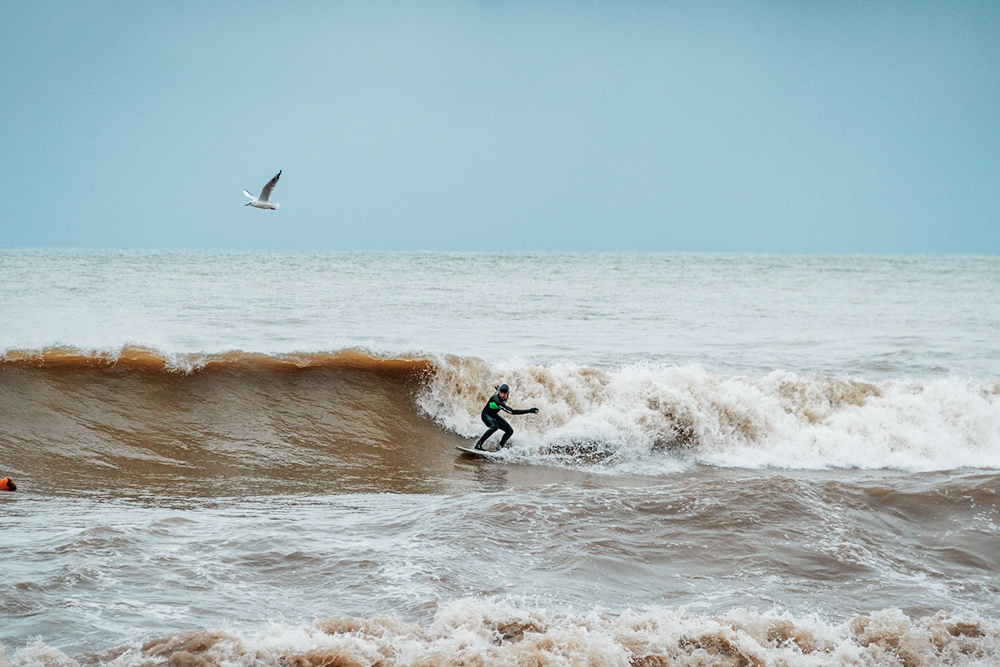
[642,418]
[136,403]
[485,632]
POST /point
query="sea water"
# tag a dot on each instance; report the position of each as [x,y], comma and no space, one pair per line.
[249,458]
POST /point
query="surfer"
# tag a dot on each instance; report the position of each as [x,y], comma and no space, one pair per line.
[493,420]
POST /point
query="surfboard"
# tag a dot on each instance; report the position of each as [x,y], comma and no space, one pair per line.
[478,453]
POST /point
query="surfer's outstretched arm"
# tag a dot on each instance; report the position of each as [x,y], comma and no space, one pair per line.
[500,403]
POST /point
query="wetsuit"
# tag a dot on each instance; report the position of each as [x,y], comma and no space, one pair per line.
[494,422]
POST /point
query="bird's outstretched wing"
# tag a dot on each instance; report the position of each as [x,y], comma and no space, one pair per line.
[248,194]
[265,194]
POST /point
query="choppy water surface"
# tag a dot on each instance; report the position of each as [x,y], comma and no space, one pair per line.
[250,459]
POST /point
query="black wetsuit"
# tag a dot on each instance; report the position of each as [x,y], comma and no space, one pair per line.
[494,422]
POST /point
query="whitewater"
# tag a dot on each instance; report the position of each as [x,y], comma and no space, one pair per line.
[249,458]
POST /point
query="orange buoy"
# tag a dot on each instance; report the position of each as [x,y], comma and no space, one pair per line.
[7,484]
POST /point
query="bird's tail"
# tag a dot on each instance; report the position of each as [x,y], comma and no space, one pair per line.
[276,206]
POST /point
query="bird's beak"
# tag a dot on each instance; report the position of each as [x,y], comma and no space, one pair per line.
[248,203]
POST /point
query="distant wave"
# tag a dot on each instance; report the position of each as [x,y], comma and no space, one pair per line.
[483,632]
[111,407]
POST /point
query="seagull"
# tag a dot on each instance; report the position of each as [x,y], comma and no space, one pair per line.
[265,194]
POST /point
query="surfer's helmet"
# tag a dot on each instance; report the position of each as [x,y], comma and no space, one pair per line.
[503,389]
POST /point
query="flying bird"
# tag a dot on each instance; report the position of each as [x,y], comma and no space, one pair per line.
[265,195]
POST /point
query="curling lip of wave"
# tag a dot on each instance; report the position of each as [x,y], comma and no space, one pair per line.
[135,358]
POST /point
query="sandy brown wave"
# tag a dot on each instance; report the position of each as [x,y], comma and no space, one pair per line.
[205,412]
[223,423]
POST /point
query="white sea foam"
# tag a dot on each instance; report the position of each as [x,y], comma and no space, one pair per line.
[489,632]
[650,418]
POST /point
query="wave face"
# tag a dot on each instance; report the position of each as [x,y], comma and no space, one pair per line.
[240,422]
[478,632]
[142,416]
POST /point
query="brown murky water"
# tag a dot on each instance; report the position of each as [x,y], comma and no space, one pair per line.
[182,515]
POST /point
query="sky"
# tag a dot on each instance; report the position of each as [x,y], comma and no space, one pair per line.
[761,126]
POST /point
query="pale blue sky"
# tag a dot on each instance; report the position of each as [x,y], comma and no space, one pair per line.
[757,126]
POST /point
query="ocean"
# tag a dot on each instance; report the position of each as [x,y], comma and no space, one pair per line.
[240,459]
